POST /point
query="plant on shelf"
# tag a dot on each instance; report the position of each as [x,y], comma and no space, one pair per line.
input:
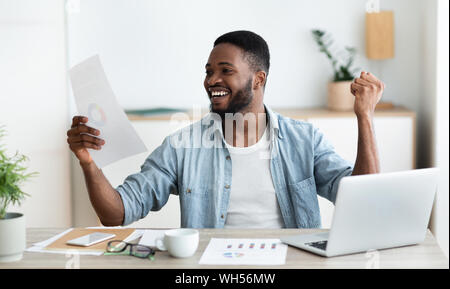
[12,175]
[341,67]
[339,96]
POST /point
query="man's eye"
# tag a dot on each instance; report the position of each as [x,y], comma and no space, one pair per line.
[208,72]
[226,70]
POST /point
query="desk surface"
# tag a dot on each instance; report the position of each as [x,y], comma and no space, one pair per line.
[425,255]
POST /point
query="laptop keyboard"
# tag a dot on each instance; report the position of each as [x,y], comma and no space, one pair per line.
[322,245]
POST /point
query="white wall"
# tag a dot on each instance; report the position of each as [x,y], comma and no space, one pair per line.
[33,104]
[426,113]
[433,111]
[440,219]
[154,52]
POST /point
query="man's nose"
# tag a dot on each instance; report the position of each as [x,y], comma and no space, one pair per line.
[214,79]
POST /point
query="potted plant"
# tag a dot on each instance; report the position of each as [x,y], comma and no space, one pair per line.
[12,225]
[339,95]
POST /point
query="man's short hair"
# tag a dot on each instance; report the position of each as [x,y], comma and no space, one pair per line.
[255,48]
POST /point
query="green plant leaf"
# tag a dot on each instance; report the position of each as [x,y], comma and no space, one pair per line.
[12,176]
[341,72]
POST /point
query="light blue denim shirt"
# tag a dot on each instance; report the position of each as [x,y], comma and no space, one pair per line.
[194,164]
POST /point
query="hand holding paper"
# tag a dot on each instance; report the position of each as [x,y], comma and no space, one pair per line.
[79,139]
[102,123]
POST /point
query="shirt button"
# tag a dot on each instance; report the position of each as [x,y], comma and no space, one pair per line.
[188,191]
[228,158]
[222,216]
[227,186]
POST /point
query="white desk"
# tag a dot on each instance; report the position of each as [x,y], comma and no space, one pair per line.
[425,255]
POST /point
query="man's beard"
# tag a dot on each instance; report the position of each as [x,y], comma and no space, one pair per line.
[240,101]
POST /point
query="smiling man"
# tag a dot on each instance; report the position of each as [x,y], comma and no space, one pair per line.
[263,171]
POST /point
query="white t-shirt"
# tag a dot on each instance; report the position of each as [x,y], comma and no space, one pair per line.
[253,203]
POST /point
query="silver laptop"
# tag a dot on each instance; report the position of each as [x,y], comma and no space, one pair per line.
[374,212]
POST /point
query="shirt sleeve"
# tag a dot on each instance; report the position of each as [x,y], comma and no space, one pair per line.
[149,190]
[329,167]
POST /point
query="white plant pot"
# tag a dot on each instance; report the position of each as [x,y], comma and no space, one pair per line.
[12,237]
[340,97]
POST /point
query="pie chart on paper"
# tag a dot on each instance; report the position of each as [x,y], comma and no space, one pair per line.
[96,115]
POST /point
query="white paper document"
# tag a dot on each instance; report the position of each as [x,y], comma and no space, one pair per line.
[149,237]
[95,99]
[40,246]
[244,252]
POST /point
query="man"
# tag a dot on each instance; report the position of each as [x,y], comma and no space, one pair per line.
[264,170]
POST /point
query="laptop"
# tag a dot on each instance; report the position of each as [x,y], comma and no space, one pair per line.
[373,212]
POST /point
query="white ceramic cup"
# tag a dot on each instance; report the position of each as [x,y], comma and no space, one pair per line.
[181,243]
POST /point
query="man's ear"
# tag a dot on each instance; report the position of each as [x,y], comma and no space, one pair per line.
[260,79]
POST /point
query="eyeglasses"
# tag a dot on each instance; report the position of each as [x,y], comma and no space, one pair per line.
[117,247]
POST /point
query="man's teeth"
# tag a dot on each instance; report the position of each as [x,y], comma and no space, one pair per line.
[219,93]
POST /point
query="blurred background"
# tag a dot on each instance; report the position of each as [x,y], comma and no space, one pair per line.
[154,53]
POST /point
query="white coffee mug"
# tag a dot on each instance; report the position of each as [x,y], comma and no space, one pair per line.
[180,243]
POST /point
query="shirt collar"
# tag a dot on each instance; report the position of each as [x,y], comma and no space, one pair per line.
[273,121]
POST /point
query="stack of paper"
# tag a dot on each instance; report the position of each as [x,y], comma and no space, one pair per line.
[244,252]
[40,247]
[52,245]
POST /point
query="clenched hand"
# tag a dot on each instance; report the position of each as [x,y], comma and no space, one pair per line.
[367,90]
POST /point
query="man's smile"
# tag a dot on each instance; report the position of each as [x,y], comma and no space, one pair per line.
[218,95]
[218,92]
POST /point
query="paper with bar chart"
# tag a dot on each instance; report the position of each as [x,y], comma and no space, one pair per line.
[244,252]
[95,99]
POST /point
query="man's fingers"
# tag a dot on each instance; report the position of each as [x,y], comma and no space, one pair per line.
[85,138]
[84,145]
[81,128]
[372,79]
[369,76]
[78,119]
[367,84]
[363,82]
[355,87]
